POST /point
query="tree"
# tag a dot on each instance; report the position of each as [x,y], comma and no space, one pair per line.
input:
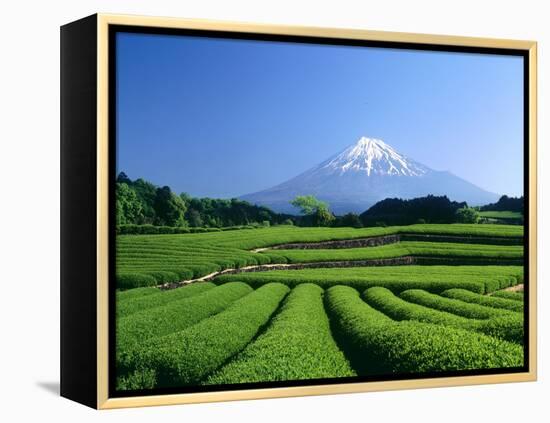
[396,211]
[194,218]
[350,220]
[169,208]
[315,211]
[146,193]
[123,178]
[323,217]
[505,203]
[308,204]
[467,215]
[128,206]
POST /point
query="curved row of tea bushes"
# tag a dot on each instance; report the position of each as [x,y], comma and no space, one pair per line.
[174,316]
[298,344]
[435,279]
[131,294]
[161,298]
[187,357]
[148,260]
[378,345]
[406,248]
[490,301]
[509,326]
[132,280]
[509,295]
[457,307]
[248,239]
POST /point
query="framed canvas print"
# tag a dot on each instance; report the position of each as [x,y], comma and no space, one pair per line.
[255,211]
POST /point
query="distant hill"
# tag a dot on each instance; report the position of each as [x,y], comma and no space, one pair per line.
[505,203]
[395,211]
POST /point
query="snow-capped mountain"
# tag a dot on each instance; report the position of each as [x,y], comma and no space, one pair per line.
[375,157]
[364,173]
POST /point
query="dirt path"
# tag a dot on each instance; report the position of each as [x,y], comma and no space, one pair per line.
[395,261]
[515,288]
[372,241]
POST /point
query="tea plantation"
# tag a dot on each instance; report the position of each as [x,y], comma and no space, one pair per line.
[288,303]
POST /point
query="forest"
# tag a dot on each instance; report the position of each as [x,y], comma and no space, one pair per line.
[142,207]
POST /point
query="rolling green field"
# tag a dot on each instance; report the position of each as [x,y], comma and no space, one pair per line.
[149,260]
[303,318]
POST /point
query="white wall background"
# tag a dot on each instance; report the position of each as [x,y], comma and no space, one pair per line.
[29,208]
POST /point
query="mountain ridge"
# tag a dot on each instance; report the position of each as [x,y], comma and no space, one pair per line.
[364,173]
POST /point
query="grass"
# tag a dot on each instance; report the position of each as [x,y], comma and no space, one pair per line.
[297,345]
[187,357]
[435,279]
[378,345]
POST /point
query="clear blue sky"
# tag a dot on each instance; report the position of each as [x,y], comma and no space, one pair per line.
[222,118]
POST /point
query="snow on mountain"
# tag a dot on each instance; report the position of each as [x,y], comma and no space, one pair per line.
[374,156]
[364,173]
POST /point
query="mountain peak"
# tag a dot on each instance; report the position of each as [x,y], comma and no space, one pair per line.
[374,156]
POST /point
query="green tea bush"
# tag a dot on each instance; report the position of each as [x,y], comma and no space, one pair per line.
[174,316]
[297,344]
[490,301]
[378,345]
[129,280]
[208,249]
[460,308]
[508,327]
[509,295]
[162,276]
[130,294]
[160,298]
[405,248]
[435,279]
[188,356]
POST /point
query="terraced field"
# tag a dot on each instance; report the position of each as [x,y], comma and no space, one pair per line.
[288,303]
[149,260]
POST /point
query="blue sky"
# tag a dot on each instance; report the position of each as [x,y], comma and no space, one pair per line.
[222,118]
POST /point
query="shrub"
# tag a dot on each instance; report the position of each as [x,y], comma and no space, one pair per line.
[490,301]
[148,229]
[509,327]
[297,345]
[188,356]
[467,215]
[460,308]
[130,294]
[174,316]
[134,280]
[160,298]
[166,229]
[378,345]
[508,295]
[405,248]
[162,276]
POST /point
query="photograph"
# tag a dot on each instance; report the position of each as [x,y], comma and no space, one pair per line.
[297,212]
